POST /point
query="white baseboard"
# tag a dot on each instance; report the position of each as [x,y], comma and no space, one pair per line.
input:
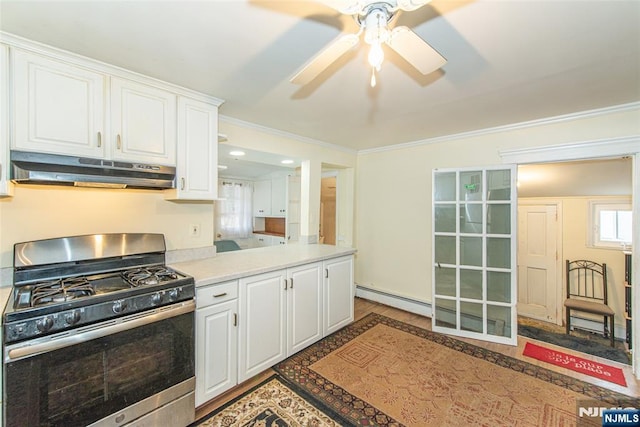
[597,327]
[402,303]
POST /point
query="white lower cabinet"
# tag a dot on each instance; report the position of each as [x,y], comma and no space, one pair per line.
[262,323]
[281,314]
[216,340]
[338,293]
[246,326]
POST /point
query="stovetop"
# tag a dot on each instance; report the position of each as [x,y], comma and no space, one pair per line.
[70,289]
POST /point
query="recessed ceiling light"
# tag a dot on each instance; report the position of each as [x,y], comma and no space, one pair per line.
[222,167]
[286,162]
[237,153]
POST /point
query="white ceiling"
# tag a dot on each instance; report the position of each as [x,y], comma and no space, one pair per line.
[508,61]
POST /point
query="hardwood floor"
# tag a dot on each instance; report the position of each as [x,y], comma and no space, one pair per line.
[364,307]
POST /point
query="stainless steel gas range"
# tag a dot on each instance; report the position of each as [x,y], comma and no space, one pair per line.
[100,332]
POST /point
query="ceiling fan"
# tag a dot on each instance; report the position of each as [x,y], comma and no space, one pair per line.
[373,17]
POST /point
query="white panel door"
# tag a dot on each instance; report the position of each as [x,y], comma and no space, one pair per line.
[143,123]
[474,253]
[304,303]
[262,323]
[537,262]
[59,108]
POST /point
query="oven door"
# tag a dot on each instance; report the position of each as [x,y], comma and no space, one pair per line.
[109,373]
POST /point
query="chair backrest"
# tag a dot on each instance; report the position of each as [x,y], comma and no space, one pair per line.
[586,280]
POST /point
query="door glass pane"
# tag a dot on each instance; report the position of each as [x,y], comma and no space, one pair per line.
[471,218]
[445,313]
[499,219]
[471,316]
[471,186]
[471,251]
[445,250]
[499,320]
[446,281]
[445,186]
[445,218]
[471,284]
[498,252]
[498,286]
[499,185]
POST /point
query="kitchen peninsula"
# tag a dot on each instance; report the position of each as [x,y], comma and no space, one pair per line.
[256,307]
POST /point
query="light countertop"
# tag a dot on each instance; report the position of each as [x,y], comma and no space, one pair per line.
[233,265]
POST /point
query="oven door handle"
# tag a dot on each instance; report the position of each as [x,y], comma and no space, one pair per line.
[98,331]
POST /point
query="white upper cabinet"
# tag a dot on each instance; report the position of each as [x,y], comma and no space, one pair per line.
[279,196]
[197,162]
[143,123]
[262,198]
[59,108]
[5,185]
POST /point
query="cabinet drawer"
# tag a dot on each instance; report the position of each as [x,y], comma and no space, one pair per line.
[215,294]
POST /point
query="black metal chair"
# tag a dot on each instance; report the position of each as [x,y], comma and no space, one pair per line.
[586,283]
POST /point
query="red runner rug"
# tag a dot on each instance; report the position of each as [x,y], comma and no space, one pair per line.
[575,363]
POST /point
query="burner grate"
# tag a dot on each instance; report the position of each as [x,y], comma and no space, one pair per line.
[61,290]
[149,275]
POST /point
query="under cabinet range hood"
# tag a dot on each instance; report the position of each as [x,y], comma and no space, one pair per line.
[54,169]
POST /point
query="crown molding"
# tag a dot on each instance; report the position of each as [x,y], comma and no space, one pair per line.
[506,128]
[284,134]
[601,148]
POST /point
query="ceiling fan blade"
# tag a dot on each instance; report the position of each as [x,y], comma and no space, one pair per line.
[415,51]
[347,7]
[324,58]
[409,5]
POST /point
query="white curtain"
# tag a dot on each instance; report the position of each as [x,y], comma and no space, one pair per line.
[233,212]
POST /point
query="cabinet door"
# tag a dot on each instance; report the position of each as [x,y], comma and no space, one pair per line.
[216,350]
[279,196]
[304,306]
[262,198]
[262,240]
[5,184]
[262,323]
[59,108]
[338,293]
[143,123]
[197,150]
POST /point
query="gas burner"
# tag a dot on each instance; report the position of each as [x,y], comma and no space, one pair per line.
[60,290]
[148,276]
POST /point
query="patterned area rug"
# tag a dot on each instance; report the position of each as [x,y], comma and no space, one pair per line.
[271,404]
[379,371]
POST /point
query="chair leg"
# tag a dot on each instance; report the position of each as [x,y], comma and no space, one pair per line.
[606,326]
[612,333]
[568,321]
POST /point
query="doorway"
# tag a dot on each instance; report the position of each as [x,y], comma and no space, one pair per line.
[328,209]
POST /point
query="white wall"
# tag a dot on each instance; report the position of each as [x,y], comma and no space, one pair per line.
[41,212]
[393,192]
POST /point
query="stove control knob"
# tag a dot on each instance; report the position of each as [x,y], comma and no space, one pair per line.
[156,298]
[119,307]
[44,324]
[72,318]
[174,294]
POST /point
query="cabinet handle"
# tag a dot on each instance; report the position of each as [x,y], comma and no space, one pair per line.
[291,286]
[235,319]
[118,142]
[326,273]
[99,139]
[220,295]
[182,183]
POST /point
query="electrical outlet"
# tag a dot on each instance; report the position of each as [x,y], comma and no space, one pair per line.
[194,230]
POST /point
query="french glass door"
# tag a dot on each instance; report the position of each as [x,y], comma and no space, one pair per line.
[474,253]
